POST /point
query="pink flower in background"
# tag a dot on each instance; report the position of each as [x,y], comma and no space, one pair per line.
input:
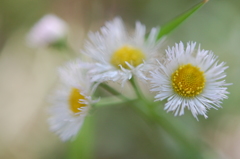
[47,30]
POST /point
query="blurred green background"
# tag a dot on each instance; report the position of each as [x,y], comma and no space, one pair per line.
[27,76]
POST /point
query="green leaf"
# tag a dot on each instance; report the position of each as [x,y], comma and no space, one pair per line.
[170,26]
[83,145]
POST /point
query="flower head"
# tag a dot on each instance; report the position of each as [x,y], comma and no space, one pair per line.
[71,101]
[47,30]
[190,78]
[118,54]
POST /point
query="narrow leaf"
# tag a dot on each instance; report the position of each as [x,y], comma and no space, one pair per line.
[170,26]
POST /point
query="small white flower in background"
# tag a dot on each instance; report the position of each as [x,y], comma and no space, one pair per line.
[190,78]
[120,55]
[46,31]
[71,100]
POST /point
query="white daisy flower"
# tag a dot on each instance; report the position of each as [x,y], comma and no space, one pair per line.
[190,78]
[71,101]
[48,30]
[118,54]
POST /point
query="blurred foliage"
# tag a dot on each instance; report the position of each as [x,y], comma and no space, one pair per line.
[16,14]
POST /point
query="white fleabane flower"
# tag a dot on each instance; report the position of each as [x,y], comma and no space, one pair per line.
[71,101]
[118,54]
[46,31]
[190,78]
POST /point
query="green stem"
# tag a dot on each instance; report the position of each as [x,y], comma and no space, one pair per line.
[114,92]
[138,91]
[176,133]
[108,101]
[152,115]
[168,126]
[124,99]
[148,105]
[83,145]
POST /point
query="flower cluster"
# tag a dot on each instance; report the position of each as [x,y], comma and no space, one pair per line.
[187,76]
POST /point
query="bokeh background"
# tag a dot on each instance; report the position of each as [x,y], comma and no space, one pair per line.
[28,75]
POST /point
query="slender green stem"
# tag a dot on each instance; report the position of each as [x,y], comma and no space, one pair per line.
[168,126]
[138,91]
[148,105]
[142,113]
[124,99]
[83,145]
[108,101]
[114,92]
[176,133]
[152,115]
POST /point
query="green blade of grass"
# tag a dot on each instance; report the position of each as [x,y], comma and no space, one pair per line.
[170,26]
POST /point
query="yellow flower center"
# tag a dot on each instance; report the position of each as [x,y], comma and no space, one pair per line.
[74,101]
[128,54]
[188,80]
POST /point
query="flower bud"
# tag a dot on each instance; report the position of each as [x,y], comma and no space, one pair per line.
[48,30]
